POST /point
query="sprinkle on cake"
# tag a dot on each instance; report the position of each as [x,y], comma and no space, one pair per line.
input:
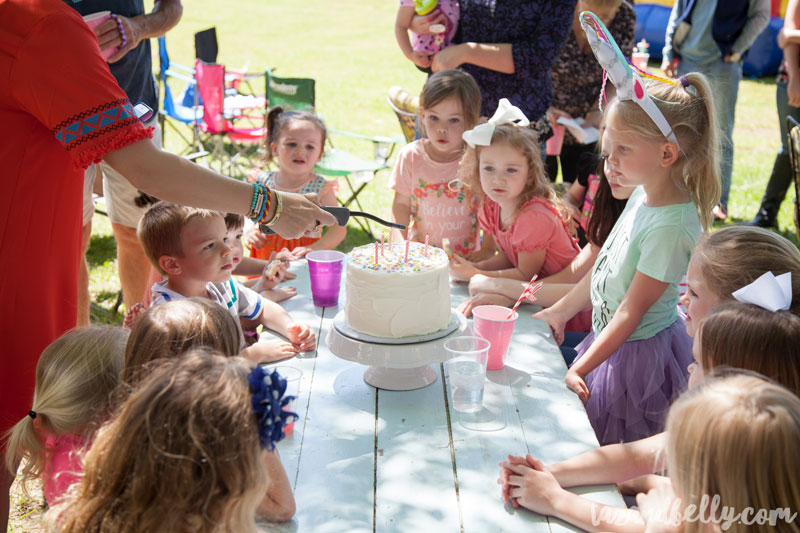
[391,260]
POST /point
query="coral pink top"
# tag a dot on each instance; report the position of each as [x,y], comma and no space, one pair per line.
[538,226]
[64,465]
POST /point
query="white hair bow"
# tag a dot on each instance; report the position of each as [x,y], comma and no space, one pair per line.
[773,293]
[482,133]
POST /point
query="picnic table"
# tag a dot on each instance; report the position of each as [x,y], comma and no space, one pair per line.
[362,459]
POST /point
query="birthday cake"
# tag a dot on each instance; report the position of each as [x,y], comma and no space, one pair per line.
[397,297]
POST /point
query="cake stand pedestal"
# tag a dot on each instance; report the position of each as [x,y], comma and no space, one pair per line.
[394,364]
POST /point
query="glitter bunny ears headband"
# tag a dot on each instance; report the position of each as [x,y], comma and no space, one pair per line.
[618,69]
[506,113]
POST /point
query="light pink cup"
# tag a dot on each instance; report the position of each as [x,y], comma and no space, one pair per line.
[553,144]
[94,20]
[490,322]
[640,59]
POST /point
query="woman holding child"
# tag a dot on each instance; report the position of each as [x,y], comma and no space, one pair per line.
[57,120]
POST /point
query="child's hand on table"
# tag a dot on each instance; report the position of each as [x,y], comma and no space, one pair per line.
[555,321]
[269,351]
[576,382]
[461,269]
[301,336]
[482,298]
[527,482]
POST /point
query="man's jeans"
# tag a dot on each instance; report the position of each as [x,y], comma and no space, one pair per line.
[724,79]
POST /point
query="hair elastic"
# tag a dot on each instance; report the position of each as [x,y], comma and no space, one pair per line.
[32,414]
[685,82]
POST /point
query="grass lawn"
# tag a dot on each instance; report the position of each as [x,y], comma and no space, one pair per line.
[351,52]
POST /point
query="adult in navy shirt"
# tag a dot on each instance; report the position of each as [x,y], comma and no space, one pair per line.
[509,47]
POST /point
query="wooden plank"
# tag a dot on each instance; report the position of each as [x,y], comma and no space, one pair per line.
[415,488]
[334,487]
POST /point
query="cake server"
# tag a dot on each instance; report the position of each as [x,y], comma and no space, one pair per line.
[342,215]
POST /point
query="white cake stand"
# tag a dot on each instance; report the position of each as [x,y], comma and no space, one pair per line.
[394,364]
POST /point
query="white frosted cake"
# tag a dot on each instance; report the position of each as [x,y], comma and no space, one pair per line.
[397,298]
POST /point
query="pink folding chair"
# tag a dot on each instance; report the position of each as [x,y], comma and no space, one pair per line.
[231,146]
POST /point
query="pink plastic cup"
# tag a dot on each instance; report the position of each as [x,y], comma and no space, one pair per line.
[640,59]
[491,322]
[553,144]
[325,270]
[94,20]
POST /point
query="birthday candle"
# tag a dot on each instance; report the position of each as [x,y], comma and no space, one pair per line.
[390,240]
[405,259]
[426,245]
[382,252]
[376,253]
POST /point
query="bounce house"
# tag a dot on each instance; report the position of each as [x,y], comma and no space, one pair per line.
[764,56]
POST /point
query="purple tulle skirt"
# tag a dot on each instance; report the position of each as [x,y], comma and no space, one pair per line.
[632,390]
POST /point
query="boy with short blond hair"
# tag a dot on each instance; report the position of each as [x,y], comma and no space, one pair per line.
[190,247]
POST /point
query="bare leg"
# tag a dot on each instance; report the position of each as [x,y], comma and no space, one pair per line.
[134,267]
[6,479]
[84,303]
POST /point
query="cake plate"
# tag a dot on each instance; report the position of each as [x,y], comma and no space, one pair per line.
[394,364]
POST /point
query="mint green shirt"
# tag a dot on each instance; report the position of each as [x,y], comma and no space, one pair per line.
[656,241]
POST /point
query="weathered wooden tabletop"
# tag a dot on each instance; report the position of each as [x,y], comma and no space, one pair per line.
[363,459]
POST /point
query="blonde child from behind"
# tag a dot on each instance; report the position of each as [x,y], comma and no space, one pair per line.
[168,330]
[190,248]
[425,198]
[519,208]
[296,139]
[734,438]
[184,453]
[633,363]
[76,379]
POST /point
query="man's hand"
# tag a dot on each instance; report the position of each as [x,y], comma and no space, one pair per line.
[124,36]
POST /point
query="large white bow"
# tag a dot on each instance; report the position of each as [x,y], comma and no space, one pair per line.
[482,133]
[769,291]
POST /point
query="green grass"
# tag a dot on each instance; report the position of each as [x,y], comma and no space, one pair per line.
[349,48]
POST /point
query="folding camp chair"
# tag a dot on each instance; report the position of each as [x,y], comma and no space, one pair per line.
[406,108]
[299,94]
[176,112]
[793,140]
[230,145]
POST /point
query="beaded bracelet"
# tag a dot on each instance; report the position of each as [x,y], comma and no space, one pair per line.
[121,31]
[259,207]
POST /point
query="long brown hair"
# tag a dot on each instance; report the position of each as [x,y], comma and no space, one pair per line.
[740,335]
[605,210]
[183,454]
[170,329]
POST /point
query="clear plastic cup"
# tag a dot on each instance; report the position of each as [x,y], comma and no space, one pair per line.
[466,372]
[292,376]
[491,322]
[325,271]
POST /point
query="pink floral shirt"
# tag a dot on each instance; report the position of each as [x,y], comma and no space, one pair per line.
[538,226]
[439,209]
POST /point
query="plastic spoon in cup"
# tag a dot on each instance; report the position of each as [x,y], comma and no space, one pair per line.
[530,290]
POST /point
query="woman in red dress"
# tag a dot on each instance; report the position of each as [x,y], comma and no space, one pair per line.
[60,111]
